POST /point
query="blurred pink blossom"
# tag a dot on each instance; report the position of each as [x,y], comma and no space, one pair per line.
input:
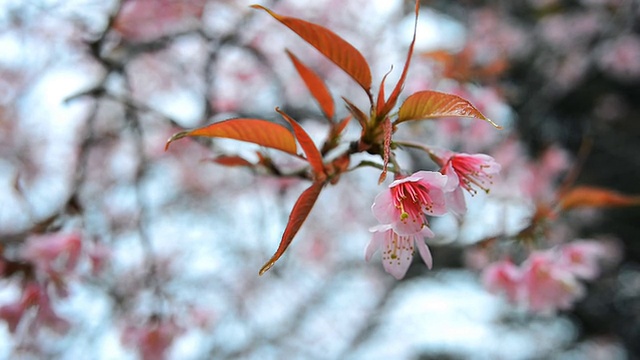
[397,250]
[143,20]
[503,277]
[12,314]
[405,203]
[33,296]
[548,285]
[621,57]
[152,340]
[53,254]
[581,258]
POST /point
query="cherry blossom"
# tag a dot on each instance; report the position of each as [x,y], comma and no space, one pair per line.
[404,204]
[548,285]
[152,340]
[397,250]
[503,277]
[467,172]
[581,257]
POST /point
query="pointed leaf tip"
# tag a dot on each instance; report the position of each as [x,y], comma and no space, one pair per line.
[335,48]
[299,213]
[257,131]
[433,104]
[590,196]
[175,137]
[316,86]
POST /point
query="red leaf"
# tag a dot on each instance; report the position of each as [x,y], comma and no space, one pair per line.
[315,85]
[330,45]
[587,196]
[298,215]
[231,160]
[393,98]
[380,101]
[339,127]
[357,113]
[432,104]
[310,150]
[257,131]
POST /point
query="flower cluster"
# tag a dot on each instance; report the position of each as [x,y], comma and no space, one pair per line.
[402,209]
[549,280]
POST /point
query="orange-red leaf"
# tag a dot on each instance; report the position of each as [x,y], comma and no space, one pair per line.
[432,104]
[587,196]
[357,113]
[299,213]
[330,45]
[231,160]
[315,85]
[310,150]
[393,98]
[257,131]
[339,127]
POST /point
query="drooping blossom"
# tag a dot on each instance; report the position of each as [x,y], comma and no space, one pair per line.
[503,277]
[397,249]
[548,285]
[467,172]
[407,200]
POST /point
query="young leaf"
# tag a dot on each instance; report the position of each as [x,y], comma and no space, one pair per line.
[393,98]
[339,127]
[310,150]
[432,104]
[315,85]
[380,101]
[257,131]
[330,45]
[587,196]
[231,160]
[357,113]
[299,213]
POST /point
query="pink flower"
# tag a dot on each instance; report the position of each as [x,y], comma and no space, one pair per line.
[503,277]
[405,203]
[548,285]
[397,250]
[468,172]
[53,253]
[581,258]
[12,314]
[152,340]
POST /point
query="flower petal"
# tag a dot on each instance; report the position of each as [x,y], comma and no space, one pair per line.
[376,241]
[424,252]
[456,202]
[383,208]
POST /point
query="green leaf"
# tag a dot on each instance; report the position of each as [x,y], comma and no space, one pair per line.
[257,131]
[432,104]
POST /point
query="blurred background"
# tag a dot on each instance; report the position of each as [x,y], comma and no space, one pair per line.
[113,248]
